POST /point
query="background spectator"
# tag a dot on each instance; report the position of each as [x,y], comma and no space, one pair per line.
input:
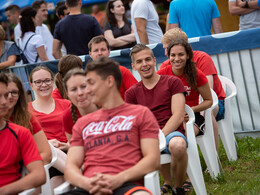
[35,51]
[61,10]
[8,51]
[98,14]
[13,13]
[195,18]
[249,17]
[118,30]
[145,21]
[75,31]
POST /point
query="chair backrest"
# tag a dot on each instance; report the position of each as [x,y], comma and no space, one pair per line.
[228,83]
[162,140]
[54,156]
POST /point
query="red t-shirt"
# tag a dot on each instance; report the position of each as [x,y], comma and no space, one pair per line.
[36,126]
[206,65]
[192,96]
[158,99]
[56,94]
[68,121]
[52,123]
[111,138]
[13,150]
[128,80]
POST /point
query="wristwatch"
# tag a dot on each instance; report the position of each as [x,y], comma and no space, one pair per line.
[246,5]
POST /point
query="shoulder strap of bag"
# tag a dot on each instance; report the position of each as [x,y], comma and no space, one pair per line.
[27,42]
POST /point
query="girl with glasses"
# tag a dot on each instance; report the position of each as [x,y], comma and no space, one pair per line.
[49,112]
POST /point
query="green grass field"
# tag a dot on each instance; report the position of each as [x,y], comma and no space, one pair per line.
[238,177]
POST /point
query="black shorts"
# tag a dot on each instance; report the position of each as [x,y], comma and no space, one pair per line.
[126,189]
[200,123]
[54,172]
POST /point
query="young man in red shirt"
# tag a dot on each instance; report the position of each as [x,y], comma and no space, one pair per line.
[17,146]
[164,96]
[98,47]
[118,144]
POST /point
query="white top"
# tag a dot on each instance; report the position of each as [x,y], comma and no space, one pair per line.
[31,49]
[145,9]
[250,20]
[45,34]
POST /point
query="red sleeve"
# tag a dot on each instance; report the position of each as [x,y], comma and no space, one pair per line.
[77,139]
[130,96]
[36,126]
[128,79]
[67,121]
[176,86]
[165,64]
[56,94]
[28,146]
[204,63]
[165,71]
[201,78]
[149,127]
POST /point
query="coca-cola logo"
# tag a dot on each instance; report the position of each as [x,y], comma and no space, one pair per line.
[117,123]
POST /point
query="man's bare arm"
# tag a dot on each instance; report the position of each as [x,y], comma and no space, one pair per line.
[177,108]
[140,24]
[234,9]
[170,26]
[216,25]
[56,48]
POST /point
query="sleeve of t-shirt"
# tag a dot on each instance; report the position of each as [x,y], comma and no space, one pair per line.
[201,78]
[37,41]
[36,126]
[173,18]
[165,64]
[56,34]
[77,139]
[28,146]
[130,96]
[128,79]
[141,11]
[13,50]
[206,64]
[148,124]
[96,27]
[176,86]
[107,27]
[215,11]
[67,121]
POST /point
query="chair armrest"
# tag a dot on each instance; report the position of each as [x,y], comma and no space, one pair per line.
[28,192]
[65,187]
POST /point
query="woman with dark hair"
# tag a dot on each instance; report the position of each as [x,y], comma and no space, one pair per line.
[180,54]
[31,43]
[66,63]
[18,113]
[8,51]
[76,88]
[118,30]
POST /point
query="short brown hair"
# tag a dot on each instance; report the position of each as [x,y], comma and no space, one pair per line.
[40,67]
[13,8]
[174,33]
[98,39]
[105,67]
[37,4]
[3,78]
[72,3]
[137,48]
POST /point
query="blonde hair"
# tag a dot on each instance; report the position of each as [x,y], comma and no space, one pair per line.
[172,34]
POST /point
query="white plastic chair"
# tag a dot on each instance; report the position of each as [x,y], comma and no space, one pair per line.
[151,180]
[194,167]
[226,130]
[207,142]
[46,188]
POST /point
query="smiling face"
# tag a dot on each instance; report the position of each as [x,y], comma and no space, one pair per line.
[42,83]
[77,91]
[13,95]
[3,100]
[42,13]
[119,8]
[99,50]
[178,58]
[144,63]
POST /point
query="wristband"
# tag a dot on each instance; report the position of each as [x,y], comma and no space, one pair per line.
[246,5]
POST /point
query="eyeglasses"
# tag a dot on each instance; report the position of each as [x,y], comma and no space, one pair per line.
[14,93]
[39,83]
